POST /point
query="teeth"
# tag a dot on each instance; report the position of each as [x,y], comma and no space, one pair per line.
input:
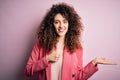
[61,30]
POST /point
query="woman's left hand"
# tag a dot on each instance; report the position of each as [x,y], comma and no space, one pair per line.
[103,61]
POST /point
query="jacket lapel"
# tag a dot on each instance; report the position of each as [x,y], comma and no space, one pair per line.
[65,65]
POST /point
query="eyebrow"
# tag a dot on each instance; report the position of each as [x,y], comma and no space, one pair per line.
[63,20]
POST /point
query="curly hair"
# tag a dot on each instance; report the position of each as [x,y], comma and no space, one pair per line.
[47,35]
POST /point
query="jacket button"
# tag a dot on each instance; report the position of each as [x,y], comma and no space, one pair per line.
[73,75]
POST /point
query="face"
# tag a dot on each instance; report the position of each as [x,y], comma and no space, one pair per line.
[61,25]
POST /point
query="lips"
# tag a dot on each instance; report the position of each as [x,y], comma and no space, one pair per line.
[61,30]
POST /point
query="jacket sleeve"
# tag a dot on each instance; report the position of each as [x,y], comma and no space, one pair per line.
[85,72]
[35,64]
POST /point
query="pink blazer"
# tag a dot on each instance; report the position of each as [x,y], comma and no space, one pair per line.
[72,68]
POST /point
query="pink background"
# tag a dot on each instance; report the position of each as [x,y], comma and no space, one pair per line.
[19,20]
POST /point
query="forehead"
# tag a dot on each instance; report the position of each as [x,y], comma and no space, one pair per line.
[59,16]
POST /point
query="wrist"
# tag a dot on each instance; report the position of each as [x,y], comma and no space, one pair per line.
[94,62]
[47,58]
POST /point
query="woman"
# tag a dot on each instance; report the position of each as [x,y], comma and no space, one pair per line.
[57,54]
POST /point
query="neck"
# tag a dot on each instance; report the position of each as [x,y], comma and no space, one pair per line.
[61,41]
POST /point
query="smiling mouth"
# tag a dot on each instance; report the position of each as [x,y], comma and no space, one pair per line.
[61,30]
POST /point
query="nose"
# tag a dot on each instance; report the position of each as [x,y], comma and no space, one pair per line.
[61,24]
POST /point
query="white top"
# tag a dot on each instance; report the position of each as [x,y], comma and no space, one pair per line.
[56,69]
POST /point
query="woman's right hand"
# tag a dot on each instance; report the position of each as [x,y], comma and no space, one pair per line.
[52,57]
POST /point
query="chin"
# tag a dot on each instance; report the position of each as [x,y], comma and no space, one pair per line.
[61,35]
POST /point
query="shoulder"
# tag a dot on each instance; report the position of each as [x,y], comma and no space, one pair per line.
[37,44]
[80,50]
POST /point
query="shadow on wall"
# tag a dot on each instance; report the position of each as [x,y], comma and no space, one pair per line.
[20,72]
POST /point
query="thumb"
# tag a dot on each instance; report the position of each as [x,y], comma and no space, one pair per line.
[57,55]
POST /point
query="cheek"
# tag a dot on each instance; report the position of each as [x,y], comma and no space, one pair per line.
[56,27]
[67,27]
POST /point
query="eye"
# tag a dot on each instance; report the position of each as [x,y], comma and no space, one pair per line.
[56,22]
[65,21]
